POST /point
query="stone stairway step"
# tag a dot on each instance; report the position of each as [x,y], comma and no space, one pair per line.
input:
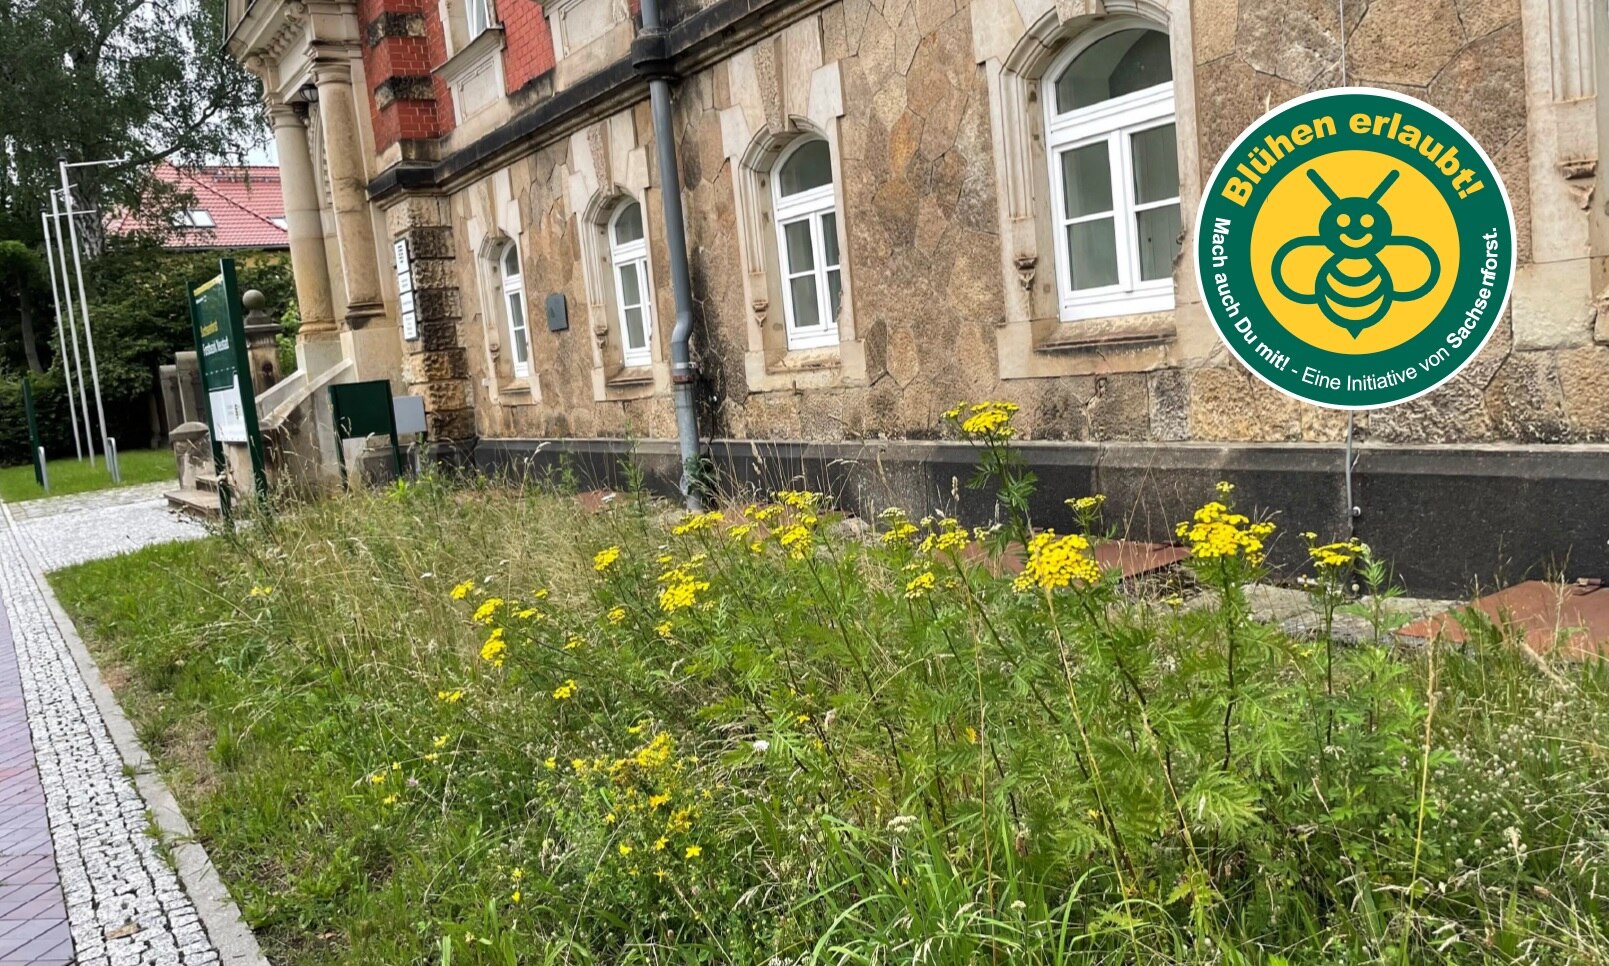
[198,503]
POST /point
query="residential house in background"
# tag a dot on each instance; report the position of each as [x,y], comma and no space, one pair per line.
[893,206]
[231,208]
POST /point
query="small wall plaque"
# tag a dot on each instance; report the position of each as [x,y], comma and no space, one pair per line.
[558,313]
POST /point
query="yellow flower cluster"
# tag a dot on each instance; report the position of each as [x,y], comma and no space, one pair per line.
[1335,556]
[947,536]
[1087,504]
[805,501]
[566,691]
[492,650]
[900,528]
[450,697]
[918,586]
[985,420]
[682,585]
[698,522]
[462,590]
[1056,562]
[617,614]
[487,610]
[605,558]
[1216,532]
[797,539]
[260,591]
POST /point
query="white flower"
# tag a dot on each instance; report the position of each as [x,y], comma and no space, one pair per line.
[1018,905]
[762,746]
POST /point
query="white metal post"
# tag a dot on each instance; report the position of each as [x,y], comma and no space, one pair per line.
[72,326]
[61,336]
[83,301]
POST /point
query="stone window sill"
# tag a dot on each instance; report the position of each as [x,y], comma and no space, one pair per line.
[1097,334]
[806,360]
[632,378]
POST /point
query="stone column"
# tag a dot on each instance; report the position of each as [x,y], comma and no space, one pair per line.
[305,227]
[343,159]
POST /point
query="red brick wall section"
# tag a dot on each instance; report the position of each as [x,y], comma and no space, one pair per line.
[529,51]
[399,56]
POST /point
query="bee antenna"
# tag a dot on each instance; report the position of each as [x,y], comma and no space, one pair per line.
[1323,188]
[1385,185]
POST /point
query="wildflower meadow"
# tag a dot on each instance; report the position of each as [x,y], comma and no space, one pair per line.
[464,722]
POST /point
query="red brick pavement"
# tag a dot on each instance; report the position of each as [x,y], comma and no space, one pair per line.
[33,914]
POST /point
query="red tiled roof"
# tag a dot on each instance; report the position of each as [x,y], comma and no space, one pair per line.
[241,201]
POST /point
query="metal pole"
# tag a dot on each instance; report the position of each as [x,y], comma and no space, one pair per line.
[112,460]
[72,326]
[44,471]
[61,335]
[651,57]
[83,300]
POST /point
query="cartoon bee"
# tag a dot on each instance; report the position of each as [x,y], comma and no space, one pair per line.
[1354,289]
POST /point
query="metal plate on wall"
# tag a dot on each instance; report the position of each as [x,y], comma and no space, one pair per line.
[558,313]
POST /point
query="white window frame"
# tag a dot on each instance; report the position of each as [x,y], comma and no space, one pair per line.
[1114,121]
[513,293]
[631,256]
[811,206]
[477,18]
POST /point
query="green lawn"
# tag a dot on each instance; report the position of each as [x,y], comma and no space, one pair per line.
[74,476]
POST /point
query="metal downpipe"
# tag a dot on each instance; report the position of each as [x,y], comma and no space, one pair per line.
[650,56]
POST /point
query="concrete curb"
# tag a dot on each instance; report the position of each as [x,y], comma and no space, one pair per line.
[219,915]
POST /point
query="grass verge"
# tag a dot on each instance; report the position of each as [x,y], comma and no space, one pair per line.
[477,726]
[69,476]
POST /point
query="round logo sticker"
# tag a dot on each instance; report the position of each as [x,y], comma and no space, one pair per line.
[1355,248]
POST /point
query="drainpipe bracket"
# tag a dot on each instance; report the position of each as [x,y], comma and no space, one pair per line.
[650,55]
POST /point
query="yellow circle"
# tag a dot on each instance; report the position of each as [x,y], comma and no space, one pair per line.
[1293,210]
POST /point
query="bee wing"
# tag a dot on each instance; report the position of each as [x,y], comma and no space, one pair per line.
[1297,266]
[1412,267]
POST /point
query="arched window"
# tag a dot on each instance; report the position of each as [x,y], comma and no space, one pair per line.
[806,213]
[628,260]
[1114,172]
[519,337]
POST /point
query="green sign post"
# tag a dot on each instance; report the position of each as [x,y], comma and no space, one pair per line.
[37,448]
[219,328]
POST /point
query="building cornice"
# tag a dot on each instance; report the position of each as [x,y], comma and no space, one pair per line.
[695,43]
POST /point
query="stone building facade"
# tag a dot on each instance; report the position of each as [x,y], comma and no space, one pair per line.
[911,151]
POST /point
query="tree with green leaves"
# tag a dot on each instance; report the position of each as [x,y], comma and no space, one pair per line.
[83,80]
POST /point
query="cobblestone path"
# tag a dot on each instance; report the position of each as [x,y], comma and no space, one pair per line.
[111,896]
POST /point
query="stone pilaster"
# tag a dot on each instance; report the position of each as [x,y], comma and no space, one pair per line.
[309,266]
[343,149]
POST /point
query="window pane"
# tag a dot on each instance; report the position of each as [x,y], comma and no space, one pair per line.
[801,258]
[1086,177]
[1126,62]
[628,224]
[522,348]
[806,310]
[1159,241]
[809,167]
[516,311]
[511,261]
[835,293]
[829,238]
[1156,164]
[1092,253]
[630,285]
[636,337]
